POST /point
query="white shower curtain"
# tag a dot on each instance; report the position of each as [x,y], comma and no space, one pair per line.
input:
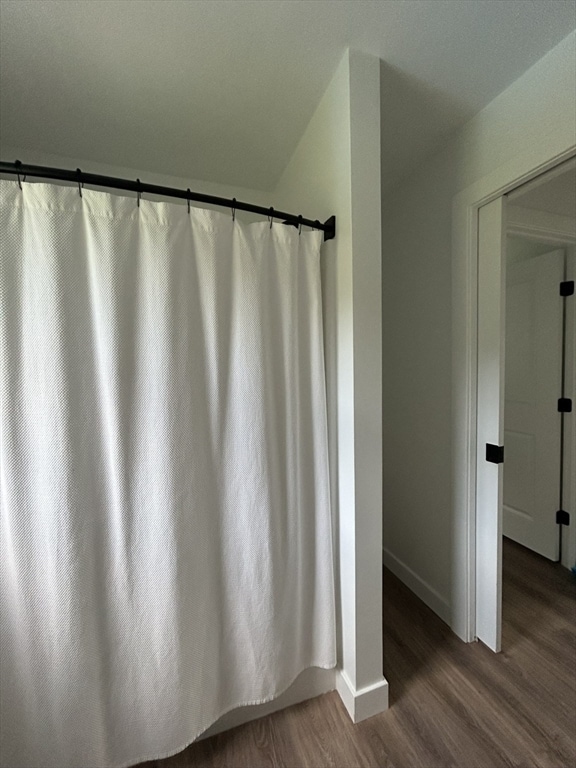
[166,533]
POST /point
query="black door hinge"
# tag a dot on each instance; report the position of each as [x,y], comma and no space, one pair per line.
[564,405]
[562,517]
[567,288]
[494,453]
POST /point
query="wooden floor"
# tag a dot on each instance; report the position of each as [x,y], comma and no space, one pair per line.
[452,705]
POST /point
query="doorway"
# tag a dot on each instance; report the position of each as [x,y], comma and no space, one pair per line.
[525,435]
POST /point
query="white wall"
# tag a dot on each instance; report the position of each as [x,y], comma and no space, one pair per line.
[336,170]
[416,291]
[521,249]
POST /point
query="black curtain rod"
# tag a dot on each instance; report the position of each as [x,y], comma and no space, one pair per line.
[94,179]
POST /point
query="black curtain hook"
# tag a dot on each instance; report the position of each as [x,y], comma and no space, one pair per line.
[18,163]
[188,194]
[300,225]
[138,193]
[80,184]
[233,209]
[271,217]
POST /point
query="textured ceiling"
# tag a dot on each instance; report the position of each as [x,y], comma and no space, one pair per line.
[222,90]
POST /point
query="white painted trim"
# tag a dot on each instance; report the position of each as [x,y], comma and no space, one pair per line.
[367,702]
[490,419]
[569,501]
[310,683]
[540,225]
[421,588]
[558,147]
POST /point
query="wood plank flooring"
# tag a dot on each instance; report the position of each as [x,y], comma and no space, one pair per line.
[453,705]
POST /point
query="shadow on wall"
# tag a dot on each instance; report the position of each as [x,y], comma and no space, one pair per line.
[415,120]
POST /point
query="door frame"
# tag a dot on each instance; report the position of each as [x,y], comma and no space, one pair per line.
[559,147]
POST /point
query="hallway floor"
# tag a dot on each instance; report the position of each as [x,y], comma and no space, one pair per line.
[453,705]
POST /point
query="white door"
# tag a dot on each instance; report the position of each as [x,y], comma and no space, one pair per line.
[490,423]
[533,385]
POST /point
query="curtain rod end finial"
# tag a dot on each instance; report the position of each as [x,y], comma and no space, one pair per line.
[330,228]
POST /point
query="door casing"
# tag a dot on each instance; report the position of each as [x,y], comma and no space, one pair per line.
[466,578]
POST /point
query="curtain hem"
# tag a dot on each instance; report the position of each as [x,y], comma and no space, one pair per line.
[240,705]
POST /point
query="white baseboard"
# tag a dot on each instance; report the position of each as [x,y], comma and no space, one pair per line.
[312,682]
[421,588]
[365,702]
